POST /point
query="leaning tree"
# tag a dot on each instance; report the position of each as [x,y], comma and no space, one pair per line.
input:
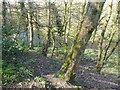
[92,12]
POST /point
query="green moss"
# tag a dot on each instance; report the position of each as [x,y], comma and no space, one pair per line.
[60,74]
[94,11]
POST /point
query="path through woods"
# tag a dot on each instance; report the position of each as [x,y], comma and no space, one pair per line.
[86,75]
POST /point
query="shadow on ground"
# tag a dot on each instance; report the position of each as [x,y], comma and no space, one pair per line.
[86,75]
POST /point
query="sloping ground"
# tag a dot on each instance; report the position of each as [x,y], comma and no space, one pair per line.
[43,65]
[86,75]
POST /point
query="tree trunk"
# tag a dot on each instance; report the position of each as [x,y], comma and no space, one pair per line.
[26,27]
[24,20]
[46,45]
[30,15]
[69,26]
[53,42]
[100,49]
[107,56]
[57,18]
[86,28]
[38,28]
[4,20]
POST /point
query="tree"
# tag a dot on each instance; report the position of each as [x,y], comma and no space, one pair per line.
[4,24]
[24,20]
[53,12]
[103,52]
[89,22]
[58,21]
[30,17]
[65,25]
[47,43]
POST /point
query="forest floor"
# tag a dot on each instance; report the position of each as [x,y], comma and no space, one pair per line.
[86,75]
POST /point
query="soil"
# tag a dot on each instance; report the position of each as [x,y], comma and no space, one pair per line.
[86,75]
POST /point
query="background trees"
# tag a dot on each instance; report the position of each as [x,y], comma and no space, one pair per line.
[84,33]
[68,31]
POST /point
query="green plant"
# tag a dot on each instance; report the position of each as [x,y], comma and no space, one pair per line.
[9,74]
[15,72]
[33,61]
[25,72]
[37,78]
[9,45]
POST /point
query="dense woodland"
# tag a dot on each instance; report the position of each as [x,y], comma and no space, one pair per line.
[63,44]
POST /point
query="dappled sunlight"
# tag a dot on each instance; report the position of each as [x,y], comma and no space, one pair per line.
[67,44]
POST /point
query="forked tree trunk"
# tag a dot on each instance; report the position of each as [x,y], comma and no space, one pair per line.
[46,45]
[86,28]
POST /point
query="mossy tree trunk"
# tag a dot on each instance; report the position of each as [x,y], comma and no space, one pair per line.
[100,48]
[89,22]
[67,25]
[109,50]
